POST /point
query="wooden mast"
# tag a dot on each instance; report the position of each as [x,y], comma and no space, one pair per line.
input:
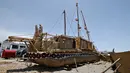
[64,23]
[85,27]
[78,27]
[78,40]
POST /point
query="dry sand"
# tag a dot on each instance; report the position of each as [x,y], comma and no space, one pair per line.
[13,66]
[98,67]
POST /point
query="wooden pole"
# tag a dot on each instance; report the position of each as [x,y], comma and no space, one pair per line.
[85,27]
[111,65]
[78,27]
[75,64]
[26,44]
[117,68]
[64,23]
[33,46]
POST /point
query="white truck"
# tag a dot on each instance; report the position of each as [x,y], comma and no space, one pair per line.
[19,47]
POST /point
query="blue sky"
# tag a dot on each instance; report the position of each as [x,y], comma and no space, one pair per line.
[108,20]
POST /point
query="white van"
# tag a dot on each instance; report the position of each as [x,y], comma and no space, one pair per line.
[13,45]
[18,46]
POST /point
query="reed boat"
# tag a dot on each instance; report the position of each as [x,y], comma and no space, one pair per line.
[59,50]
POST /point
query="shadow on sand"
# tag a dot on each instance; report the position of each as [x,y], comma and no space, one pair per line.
[42,68]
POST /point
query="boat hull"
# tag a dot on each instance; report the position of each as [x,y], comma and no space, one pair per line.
[52,62]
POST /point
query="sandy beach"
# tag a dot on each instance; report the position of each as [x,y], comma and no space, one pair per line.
[14,66]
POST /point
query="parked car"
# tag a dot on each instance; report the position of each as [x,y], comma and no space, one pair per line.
[13,49]
[0,50]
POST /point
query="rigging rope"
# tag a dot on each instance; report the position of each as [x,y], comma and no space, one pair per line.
[71,24]
[55,23]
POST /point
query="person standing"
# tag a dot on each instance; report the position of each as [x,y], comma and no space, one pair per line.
[0,50]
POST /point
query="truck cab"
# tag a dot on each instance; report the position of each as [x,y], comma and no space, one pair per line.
[18,48]
[13,45]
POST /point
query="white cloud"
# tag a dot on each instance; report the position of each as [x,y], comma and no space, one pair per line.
[4,33]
